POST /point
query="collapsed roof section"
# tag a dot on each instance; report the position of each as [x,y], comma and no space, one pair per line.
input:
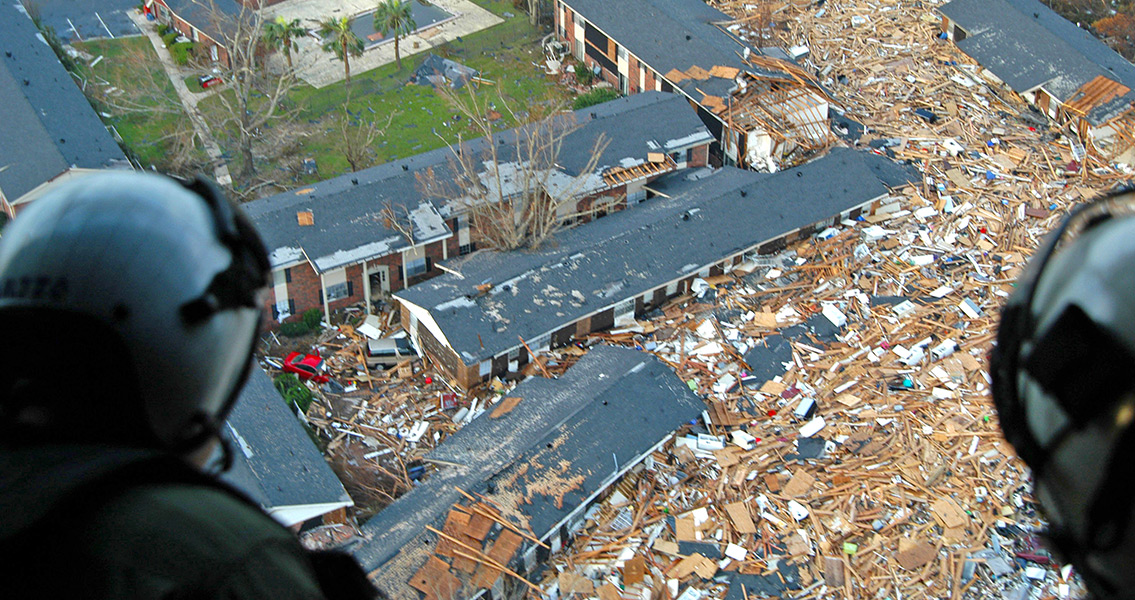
[342,221]
[1030,48]
[771,113]
[538,458]
[705,218]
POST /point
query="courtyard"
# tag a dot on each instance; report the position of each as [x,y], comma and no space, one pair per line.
[442,21]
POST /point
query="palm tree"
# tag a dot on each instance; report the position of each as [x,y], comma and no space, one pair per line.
[340,40]
[395,16]
[281,34]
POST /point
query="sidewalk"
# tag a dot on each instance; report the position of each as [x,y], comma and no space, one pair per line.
[188,99]
[320,69]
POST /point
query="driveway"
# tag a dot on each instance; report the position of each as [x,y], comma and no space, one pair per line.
[75,20]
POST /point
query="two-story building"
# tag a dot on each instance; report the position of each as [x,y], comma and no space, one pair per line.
[364,235]
[764,110]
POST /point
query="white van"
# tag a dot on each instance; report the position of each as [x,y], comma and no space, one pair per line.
[388,352]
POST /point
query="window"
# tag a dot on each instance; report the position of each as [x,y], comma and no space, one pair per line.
[485,369]
[514,354]
[415,261]
[339,291]
[621,53]
[623,84]
[283,310]
[336,285]
[288,275]
[579,49]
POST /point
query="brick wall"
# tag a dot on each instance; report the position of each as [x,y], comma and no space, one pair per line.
[700,156]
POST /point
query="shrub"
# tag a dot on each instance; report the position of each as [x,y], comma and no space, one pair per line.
[313,317]
[180,52]
[583,74]
[595,96]
[169,37]
[163,29]
[294,329]
[295,393]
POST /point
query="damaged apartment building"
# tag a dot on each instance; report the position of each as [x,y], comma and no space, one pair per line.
[481,320]
[764,110]
[537,461]
[361,236]
[1065,72]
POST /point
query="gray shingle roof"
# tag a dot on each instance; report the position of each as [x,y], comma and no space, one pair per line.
[48,124]
[567,419]
[274,460]
[1027,45]
[628,253]
[348,227]
[671,34]
[215,18]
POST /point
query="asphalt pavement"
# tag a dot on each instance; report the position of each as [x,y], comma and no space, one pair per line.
[75,20]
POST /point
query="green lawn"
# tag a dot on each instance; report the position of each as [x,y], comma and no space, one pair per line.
[503,54]
[130,64]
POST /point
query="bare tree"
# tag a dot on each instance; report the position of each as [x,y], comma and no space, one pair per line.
[357,136]
[511,186]
[536,9]
[397,219]
[150,93]
[253,95]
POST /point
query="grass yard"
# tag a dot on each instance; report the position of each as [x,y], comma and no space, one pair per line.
[504,54]
[129,85]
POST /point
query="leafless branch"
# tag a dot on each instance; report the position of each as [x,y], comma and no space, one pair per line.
[518,199]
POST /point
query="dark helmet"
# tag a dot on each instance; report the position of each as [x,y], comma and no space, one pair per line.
[1064,385]
[129,305]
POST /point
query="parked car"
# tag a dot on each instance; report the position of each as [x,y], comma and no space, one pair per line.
[306,366]
[388,352]
[209,80]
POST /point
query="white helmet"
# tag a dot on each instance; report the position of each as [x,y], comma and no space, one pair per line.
[1064,384]
[130,304]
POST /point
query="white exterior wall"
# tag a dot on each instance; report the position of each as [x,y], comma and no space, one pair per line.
[280,289]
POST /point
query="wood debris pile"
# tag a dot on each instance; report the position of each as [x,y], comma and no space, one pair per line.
[870,464]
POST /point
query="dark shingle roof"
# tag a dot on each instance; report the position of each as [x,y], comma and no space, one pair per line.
[1027,45]
[275,462]
[567,419]
[349,228]
[48,124]
[672,34]
[590,268]
[215,18]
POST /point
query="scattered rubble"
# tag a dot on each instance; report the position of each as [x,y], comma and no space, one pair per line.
[849,445]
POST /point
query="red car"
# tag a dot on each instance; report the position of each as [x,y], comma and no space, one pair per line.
[207,81]
[306,366]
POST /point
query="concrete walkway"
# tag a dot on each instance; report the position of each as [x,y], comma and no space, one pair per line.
[188,99]
[321,69]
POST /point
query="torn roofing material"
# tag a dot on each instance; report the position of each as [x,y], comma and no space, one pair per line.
[347,210]
[274,460]
[682,35]
[49,126]
[628,253]
[1027,46]
[564,424]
